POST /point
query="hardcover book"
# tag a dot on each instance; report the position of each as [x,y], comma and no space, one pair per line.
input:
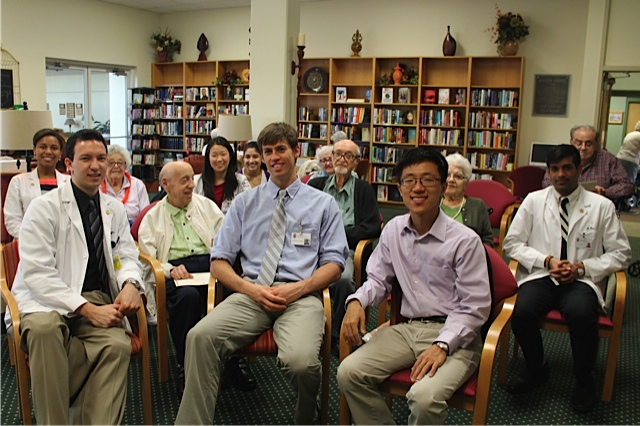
[429,96]
[387,95]
[404,95]
[341,94]
[443,96]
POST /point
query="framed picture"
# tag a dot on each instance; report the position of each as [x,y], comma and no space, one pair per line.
[63,109]
[238,93]
[71,110]
[387,95]
[79,110]
[615,117]
[404,95]
[443,96]
[341,94]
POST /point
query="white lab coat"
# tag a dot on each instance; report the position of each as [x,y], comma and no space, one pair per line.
[595,237]
[23,189]
[54,254]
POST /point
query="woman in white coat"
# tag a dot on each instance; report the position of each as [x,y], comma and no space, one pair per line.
[25,187]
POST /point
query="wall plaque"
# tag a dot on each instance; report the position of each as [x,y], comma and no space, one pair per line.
[551,95]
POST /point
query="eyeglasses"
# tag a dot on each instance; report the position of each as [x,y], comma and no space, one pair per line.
[325,160]
[579,144]
[455,176]
[120,164]
[426,181]
[349,156]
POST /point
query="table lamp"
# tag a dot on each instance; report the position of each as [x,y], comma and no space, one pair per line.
[70,122]
[17,128]
[235,128]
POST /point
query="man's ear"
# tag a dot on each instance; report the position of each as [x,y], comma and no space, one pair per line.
[297,153]
[68,164]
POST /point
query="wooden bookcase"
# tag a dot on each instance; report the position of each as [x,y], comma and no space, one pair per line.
[144,142]
[469,105]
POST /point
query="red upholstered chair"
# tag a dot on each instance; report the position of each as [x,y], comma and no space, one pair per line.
[474,394]
[609,326]
[196,161]
[525,179]
[161,298]
[265,344]
[502,206]
[10,258]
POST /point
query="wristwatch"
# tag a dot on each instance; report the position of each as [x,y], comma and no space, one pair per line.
[133,282]
[442,345]
[580,271]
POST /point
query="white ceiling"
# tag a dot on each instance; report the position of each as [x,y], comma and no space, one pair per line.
[172,6]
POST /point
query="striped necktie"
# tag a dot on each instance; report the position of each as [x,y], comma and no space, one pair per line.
[95,221]
[275,242]
[564,225]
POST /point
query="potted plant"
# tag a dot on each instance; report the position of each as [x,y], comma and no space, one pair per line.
[165,45]
[509,28]
[103,128]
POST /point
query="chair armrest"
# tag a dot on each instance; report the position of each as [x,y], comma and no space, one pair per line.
[621,298]
[211,293]
[513,266]
[360,258]
[141,316]
[505,223]
[158,274]
[11,303]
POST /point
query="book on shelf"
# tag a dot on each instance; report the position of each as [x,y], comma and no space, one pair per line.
[238,93]
[213,93]
[323,131]
[210,109]
[382,192]
[191,94]
[137,98]
[246,94]
[461,95]
[443,96]
[387,95]
[149,159]
[365,134]
[202,112]
[404,95]
[136,159]
[429,96]
[355,100]
[341,94]
[204,94]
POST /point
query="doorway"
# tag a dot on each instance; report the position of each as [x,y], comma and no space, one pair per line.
[621,96]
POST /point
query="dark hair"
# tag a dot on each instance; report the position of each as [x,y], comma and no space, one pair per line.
[208,175]
[419,155]
[80,136]
[48,132]
[276,132]
[254,145]
[560,152]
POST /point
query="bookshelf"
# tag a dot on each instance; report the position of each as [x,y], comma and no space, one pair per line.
[313,112]
[144,141]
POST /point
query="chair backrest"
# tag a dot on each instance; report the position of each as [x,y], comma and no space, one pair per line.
[10,260]
[196,161]
[5,237]
[135,226]
[495,195]
[526,179]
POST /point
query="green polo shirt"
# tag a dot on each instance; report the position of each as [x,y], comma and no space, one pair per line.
[343,197]
[185,241]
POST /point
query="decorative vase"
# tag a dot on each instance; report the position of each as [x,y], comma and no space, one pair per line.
[203,45]
[449,45]
[356,46]
[510,48]
[163,57]
[397,74]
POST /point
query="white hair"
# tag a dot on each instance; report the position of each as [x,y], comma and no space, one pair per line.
[339,136]
[308,167]
[461,162]
[117,149]
[638,126]
[324,149]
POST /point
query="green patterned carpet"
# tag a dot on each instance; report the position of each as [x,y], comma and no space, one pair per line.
[273,401]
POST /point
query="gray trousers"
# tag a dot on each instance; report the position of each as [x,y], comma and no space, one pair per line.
[78,371]
[396,348]
[237,321]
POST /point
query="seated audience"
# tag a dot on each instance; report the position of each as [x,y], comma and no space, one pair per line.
[72,298]
[119,184]
[563,265]
[629,153]
[442,270]
[219,181]
[25,187]
[254,169]
[299,234]
[469,211]
[360,217]
[598,165]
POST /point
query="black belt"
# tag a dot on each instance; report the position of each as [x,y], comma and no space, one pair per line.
[439,319]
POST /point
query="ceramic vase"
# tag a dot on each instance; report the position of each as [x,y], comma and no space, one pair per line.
[510,48]
[449,45]
[163,57]
[397,74]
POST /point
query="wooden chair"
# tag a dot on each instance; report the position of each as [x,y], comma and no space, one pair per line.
[502,206]
[525,179]
[474,394]
[139,341]
[265,344]
[609,326]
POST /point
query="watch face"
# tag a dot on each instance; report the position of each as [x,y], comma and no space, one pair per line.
[314,80]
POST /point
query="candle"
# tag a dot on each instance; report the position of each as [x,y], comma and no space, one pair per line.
[301,39]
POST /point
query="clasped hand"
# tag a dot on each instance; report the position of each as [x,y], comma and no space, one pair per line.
[276,298]
[563,270]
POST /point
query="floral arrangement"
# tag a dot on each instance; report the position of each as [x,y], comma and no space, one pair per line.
[164,42]
[230,78]
[409,76]
[509,26]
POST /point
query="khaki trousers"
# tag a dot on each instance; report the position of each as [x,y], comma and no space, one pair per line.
[236,322]
[396,348]
[78,371]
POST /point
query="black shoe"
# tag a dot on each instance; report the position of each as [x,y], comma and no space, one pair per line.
[529,381]
[584,397]
[180,380]
[237,371]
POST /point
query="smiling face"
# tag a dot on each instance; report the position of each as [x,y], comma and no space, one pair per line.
[115,166]
[456,182]
[47,152]
[421,189]
[252,161]
[281,163]
[219,158]
[89,165]
[177,180]
[326,162]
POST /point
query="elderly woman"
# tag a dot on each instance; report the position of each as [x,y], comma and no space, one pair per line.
[470,211]
[25,187]
[324,157]
[121,185]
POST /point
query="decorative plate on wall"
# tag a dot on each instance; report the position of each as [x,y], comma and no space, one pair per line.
[315,80]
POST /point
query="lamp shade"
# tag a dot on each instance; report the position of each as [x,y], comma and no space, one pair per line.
[235,127]
[17,128]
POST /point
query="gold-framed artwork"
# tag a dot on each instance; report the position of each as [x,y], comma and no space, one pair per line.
[615,117]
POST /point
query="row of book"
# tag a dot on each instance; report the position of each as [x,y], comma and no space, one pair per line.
[171,143]
[351,115]
[200,94]
[312,131]
[146,159]
[197,111]
[308,149]
[444,96]
[492,120]
[490,161]
[382,174]
[148,173]
[442,117]
[310,114]
[491,139]
[169,111]
[233,109]
[385,154]
[143,129]
[394,135]
[143,98]
[355,133]
[493,97]
[170,94]
[144,144]
[169,128]
[440,137]
[201,127]
[392,116]
[388,193]
[144,113]
[195,144]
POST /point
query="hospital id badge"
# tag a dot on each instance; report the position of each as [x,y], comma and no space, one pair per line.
[301,239]
[116,262]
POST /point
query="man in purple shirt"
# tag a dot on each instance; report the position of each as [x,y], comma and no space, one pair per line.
[598,165]
[441,267]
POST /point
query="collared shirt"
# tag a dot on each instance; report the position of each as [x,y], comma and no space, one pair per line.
[245,231]
[608,172]
[138,196]
[573,199]
[186,241]
[344,197]
[443,272]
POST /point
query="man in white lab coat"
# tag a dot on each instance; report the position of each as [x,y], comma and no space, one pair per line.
[578,242]
[78,277]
